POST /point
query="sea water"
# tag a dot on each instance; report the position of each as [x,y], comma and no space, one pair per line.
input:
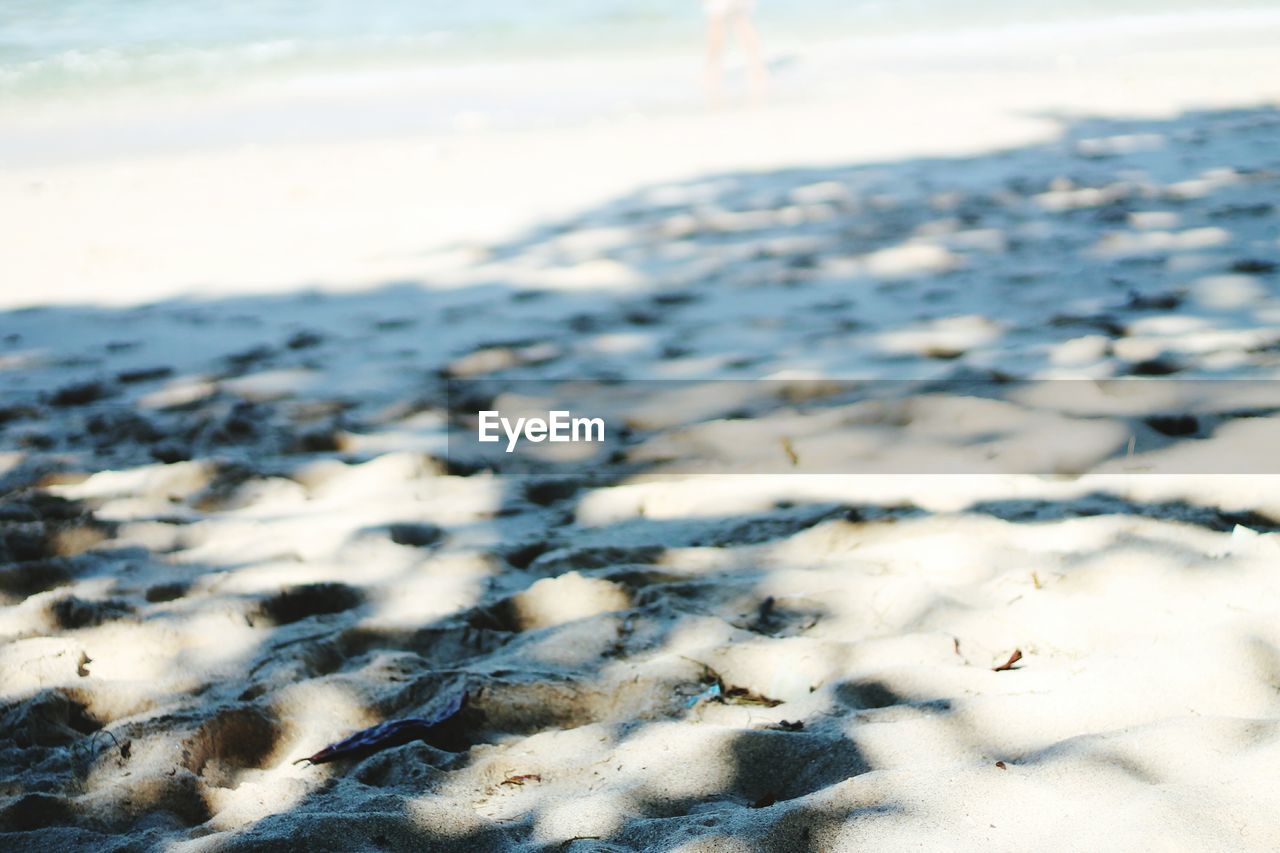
[105,78]
[56,47]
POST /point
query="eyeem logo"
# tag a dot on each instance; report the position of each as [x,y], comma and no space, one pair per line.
[560,426]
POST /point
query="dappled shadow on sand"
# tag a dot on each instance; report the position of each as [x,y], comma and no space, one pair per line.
[242,514]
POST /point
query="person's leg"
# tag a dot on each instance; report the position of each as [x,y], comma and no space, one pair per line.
[714,75]
[749,38]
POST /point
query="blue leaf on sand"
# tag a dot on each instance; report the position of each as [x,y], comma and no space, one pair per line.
[705,696]
[386,735]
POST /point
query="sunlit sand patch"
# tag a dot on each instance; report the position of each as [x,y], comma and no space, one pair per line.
[434,592]
[1142,242]
[907,261]
[183,391]
[947,337]
[1229,291]
[271,385]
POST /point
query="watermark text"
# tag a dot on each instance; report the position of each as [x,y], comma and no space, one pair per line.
[558,426]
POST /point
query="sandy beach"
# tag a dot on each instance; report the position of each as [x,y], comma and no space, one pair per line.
[232,532]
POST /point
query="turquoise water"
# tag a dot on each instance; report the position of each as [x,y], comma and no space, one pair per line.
[61,46]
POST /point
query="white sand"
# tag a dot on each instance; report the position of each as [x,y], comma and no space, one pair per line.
[231,537]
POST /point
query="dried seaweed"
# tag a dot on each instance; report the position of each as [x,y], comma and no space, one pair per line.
[386,735]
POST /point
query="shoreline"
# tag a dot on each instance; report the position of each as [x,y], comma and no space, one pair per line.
[349,213]
[358,104]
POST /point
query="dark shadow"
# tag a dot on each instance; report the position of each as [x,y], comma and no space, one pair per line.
[1102,503]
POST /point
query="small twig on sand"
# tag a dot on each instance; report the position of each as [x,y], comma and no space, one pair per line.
[521,779]
[766,608]
[789,449]
[764,615]
[125,749]
[1008,665]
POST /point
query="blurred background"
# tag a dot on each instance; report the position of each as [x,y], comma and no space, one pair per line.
[279,69]
[153,147]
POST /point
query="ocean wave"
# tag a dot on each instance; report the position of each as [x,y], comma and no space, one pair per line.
[86,47]
[94,69]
